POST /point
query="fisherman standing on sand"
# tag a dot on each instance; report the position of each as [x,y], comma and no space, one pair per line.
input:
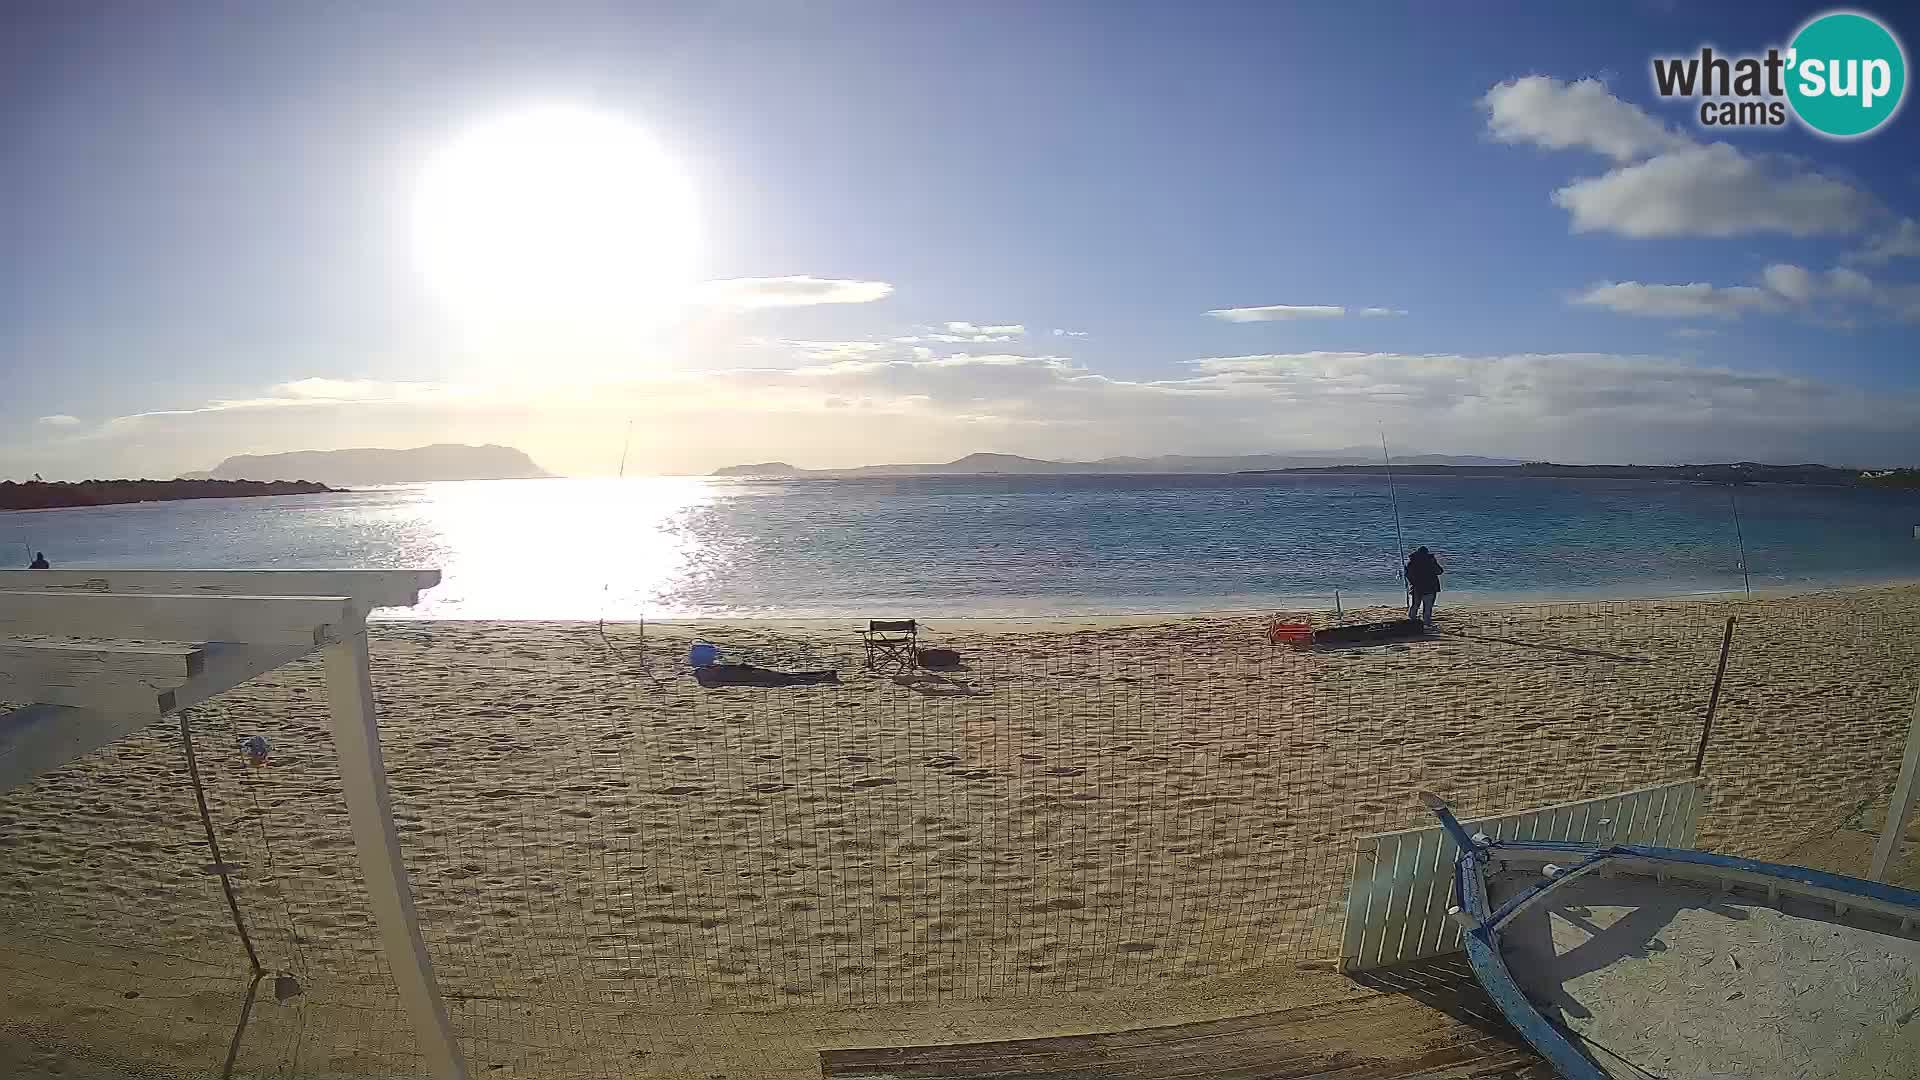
[39,562]
[1423,584]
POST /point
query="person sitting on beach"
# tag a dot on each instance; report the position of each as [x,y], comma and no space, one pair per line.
[39,562]
[708,671]
[1423,585]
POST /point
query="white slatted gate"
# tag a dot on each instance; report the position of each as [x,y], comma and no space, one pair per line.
[1402,881]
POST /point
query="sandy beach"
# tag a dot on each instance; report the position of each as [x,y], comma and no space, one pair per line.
[1125,821]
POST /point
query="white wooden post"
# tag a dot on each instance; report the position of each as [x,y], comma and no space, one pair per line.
[1901,806]
[363,773]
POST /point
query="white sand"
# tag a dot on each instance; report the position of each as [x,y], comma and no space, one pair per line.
[1099,823]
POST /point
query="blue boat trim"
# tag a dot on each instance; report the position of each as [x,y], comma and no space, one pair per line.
[1483,955]
[1483,937]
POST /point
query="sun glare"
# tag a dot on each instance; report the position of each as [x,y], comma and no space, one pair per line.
[556,216]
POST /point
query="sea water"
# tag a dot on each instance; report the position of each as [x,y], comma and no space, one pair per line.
[949,546]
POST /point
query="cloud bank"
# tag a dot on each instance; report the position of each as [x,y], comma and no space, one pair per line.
[831,406]
[1839,296]
[1277,313]
[1665,183]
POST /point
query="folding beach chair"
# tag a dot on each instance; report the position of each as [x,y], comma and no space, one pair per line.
[892,645]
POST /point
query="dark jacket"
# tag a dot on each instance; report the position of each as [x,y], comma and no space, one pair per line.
[1423,573]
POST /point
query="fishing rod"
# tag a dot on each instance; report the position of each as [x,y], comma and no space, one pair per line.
[600,624]
[1741,538]
[624,445]
[1399,540]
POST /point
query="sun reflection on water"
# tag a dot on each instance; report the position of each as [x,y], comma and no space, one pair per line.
[556,549]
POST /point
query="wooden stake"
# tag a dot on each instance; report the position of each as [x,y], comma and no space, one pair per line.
[1713,699]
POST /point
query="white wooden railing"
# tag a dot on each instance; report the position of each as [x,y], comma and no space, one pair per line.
[96,655]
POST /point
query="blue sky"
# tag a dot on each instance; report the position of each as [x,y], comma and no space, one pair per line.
[207,212]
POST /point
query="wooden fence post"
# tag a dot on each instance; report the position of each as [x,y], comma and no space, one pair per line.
[1713,699]
[363,775]
[1900,808]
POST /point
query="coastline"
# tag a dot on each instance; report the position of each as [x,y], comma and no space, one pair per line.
[1042,612]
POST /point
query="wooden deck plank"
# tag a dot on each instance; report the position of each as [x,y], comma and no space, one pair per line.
[1454,1034]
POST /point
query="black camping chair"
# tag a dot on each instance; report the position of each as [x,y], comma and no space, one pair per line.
[892,645]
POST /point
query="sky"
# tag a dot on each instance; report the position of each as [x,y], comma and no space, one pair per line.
[844,233]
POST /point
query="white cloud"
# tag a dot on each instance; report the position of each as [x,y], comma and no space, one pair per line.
[1597,406]
[60,420]
[1835,297]
[799,291]
[1278,313]
[1058,332]
[965,333]
[1900,242]
[1006,330]
[1665,183]
[956,339]
[1557,115]
[1695,332]
[338,389]
[1678,301]
[821,350]
[1714,191]
[318,392]
[1840,297]
[1793,282]
[1380,313]
[1852,283]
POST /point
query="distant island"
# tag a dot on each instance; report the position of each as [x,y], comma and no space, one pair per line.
[1013,464]
[1351,462]
[39,495]
[1736,472]
[442,461]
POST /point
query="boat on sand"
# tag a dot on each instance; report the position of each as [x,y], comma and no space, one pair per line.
[1623,961]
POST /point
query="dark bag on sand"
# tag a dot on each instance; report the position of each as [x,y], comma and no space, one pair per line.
[938,658]
[1370,633]
[714,675]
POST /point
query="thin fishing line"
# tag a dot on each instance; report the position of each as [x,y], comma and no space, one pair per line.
[1399,540]
[606,582]
[1740,536]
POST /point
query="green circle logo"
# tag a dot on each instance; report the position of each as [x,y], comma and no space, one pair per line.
[1846,74]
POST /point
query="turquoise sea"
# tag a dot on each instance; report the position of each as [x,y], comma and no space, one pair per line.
[950,546]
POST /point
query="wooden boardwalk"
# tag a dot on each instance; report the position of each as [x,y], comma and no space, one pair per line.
[1430,1024]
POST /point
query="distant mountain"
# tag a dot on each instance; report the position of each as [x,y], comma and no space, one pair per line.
[1001,464]
[442,461]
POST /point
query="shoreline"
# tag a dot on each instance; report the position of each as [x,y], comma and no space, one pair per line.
[1300,604]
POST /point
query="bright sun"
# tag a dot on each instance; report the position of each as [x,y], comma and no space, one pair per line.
[556,217]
